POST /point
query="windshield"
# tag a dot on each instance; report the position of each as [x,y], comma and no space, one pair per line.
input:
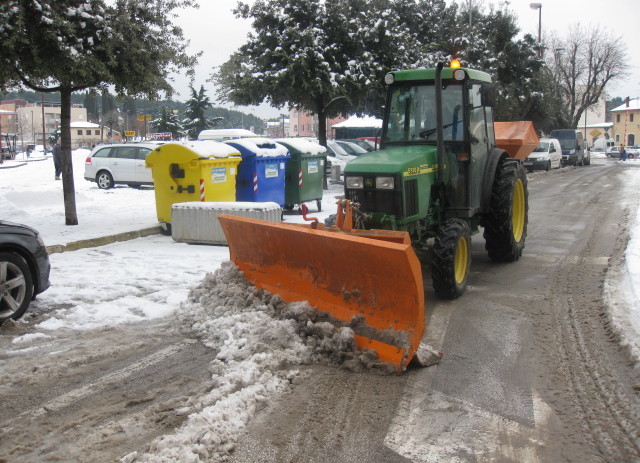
[543,147]
[567,143]
[412,113]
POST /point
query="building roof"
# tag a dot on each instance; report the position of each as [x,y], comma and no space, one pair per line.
[634,105]
[362,122]
[84,125]
[599,125]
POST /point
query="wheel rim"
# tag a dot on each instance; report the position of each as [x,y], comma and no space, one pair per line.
[103,181]
[461,262]
[517,213]
[13,288]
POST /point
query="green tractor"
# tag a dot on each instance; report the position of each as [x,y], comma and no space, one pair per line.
[440,175]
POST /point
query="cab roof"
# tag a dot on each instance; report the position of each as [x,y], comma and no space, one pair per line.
[430,74]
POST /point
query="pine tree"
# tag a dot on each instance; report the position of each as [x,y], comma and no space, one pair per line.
[91,103]
[195,120]
[168,122]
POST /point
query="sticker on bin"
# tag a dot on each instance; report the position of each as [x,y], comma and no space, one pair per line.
[271,170]
[218,175]
[312,168]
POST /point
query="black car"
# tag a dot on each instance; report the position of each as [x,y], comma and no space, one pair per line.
[24,268]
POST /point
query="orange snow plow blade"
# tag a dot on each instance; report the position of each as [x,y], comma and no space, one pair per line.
[373,275]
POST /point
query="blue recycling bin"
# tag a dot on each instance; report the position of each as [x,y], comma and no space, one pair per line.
[261,173]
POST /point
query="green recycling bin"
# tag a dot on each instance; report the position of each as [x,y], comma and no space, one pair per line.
[192,171]
[304,172]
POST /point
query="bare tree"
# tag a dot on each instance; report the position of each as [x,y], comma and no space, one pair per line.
[584,63]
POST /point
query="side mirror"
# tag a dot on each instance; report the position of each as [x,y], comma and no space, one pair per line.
[488,94]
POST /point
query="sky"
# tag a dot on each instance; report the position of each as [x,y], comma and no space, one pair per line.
[214,30]
[195,291]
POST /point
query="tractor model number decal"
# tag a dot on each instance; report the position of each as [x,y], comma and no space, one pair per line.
[271,170]
[312,167]
[423,169]
[218,175]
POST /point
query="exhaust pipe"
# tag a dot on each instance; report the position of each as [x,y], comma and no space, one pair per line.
[439,126]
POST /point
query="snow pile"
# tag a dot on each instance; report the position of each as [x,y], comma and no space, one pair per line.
[261,147]
[621,295]
[205,148]
[303,145]
[258,341]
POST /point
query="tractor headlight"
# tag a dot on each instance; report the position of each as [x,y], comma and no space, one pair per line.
[354,182]
[384,183]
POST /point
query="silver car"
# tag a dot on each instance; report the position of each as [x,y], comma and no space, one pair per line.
[121,163]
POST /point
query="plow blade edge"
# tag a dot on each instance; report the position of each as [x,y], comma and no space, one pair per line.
[341,273]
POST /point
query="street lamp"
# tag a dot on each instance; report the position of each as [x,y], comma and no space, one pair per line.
[538,6]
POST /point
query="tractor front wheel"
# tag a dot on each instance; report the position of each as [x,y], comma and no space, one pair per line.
[451,259]
[505,227]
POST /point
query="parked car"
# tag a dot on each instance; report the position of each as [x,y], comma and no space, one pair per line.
[362,143]
[24,268]
[572,143]
[352,148]
[547,155]
[119,163]
[337,154]
[614,152]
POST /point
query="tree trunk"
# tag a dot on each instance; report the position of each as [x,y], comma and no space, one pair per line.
[322,121]
[68,188]
[322,134]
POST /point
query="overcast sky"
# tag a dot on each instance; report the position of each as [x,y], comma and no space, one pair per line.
[214,30]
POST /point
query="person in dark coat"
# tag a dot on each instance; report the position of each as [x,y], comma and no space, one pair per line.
[623,153]
[57,159]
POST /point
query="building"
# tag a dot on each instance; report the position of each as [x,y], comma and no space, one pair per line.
[626,122]
[35,123]
[599,131]
[88,134]
[277,129]
[303,123]
[592,122]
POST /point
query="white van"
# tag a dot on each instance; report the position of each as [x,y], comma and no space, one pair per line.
[547,155]
[225,134]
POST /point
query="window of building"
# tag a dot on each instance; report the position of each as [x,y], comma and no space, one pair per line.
[97,132]
[631,117]
[617,136]
[79,132]
[617,117]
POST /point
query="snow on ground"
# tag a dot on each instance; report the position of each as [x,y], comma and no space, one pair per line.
[257,341]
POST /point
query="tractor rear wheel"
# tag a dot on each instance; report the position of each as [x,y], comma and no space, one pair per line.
[505,227]
[451,259]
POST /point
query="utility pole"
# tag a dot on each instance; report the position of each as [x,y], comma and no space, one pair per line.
[44,131]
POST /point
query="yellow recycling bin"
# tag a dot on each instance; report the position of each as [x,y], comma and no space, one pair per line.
[192,171]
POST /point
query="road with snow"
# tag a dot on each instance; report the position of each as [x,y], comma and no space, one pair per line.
[532,370]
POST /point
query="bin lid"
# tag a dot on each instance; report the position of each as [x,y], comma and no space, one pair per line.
[260,147]
[302,146]
[206,148]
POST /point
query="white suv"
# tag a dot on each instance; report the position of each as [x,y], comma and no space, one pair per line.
[119,163]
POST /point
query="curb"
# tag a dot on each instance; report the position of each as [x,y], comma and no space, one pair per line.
[3,166]
[103,240]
